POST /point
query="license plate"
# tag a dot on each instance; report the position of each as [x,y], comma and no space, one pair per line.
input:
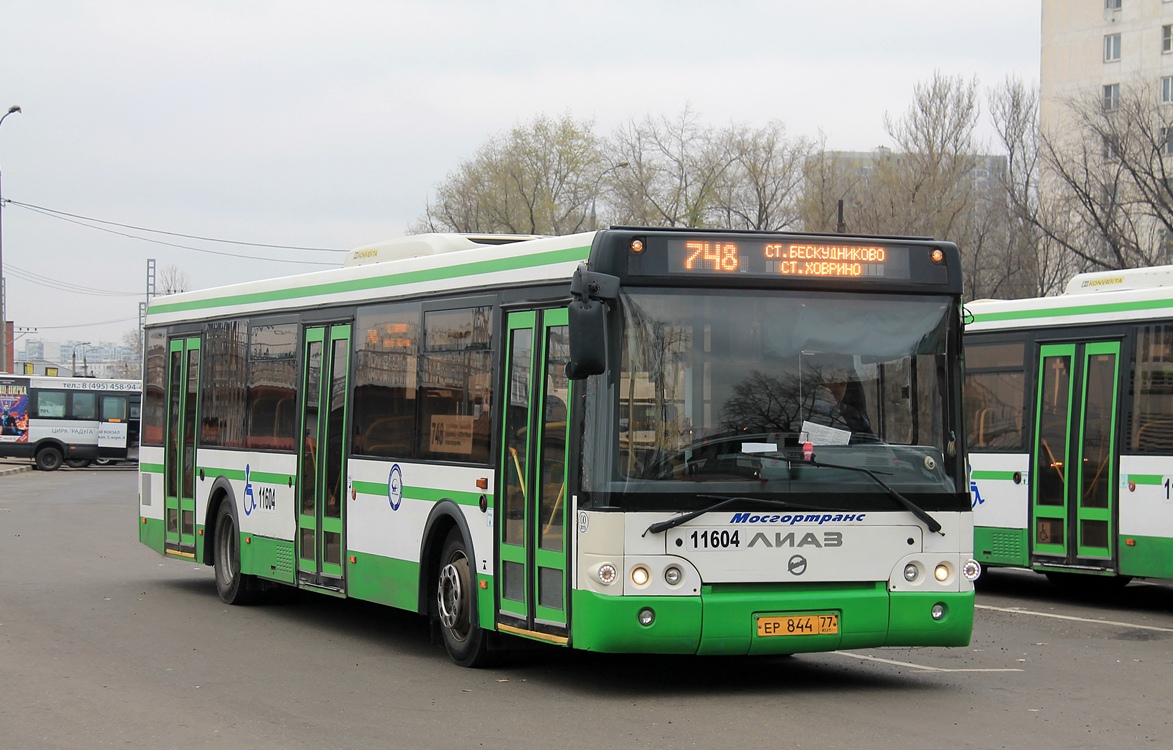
[817,624]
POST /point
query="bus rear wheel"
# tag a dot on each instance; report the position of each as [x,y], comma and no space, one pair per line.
[49,458]
[233,586]
[78,463]
[463,639]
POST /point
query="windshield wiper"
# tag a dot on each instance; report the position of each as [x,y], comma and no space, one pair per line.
[910,506]
[675,521]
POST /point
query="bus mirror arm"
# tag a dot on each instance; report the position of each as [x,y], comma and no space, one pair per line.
[587,321]
[587,284]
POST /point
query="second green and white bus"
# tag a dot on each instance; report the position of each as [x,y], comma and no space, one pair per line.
[631,440]
[1069,404]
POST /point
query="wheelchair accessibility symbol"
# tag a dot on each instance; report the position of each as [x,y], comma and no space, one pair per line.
[977,496]
[250,500]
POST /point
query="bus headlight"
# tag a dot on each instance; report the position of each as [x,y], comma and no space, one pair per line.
[646,616]
[911,572]
[939,611]
[606,574]
[640,575]
[941,572]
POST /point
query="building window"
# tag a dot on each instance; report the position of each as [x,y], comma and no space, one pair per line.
[1167,90]
[1112,4]
[1108,148]
[1167,38]
[1112,48]
[1112,97]
[1167,141]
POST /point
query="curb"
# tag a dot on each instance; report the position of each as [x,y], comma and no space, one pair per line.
[5,471]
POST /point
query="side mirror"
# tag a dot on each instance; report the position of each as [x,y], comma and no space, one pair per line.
[588,342]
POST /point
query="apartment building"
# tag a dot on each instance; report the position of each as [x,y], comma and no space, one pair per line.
[1097,46]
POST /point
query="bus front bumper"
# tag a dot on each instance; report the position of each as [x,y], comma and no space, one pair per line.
[723,620]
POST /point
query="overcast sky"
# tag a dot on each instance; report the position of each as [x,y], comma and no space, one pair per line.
[328,124]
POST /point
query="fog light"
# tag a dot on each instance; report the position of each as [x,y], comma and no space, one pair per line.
[972,570]
[910,573]
[640,575]
[939,611]
[941,572]
[673,575]
[606,574]
[646,616]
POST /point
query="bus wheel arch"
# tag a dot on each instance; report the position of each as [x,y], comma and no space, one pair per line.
[448,593]
[49,456]
[233,586]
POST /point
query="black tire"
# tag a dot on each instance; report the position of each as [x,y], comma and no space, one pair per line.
[464,640]
[78,463]
[105,461]
[233,586]
[49,458]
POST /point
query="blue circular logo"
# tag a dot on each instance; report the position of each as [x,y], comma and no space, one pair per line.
[395,487]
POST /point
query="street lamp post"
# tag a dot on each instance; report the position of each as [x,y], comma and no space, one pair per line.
[4,363]
[73,367]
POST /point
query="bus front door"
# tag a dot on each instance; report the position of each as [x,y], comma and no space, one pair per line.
[321,486]
[532,502]
[1075,457]
[179,459]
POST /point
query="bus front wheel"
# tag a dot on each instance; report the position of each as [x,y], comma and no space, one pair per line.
[233,586]
[463,638]
[49,458]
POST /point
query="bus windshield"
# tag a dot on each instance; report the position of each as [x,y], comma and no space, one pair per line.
[731,392]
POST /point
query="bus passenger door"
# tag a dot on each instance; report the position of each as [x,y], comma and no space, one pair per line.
[321,486]
[179,458]
[532,500]
[1073,483]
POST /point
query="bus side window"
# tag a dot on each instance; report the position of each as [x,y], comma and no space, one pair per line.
[85,406]
[113,408]
[50,404]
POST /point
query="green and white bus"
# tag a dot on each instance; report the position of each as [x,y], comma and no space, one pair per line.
[1069,405]
[630,440]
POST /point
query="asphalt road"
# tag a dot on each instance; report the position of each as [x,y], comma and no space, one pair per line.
[103,643]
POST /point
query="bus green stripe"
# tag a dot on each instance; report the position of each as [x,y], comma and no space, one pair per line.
[370,488]
[150,468]
[426,494]
[1146,478]
[1057,312]
[1001,475]
[391,280]
[256,477]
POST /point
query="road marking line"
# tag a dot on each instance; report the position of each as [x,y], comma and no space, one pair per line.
[865,657]
[1017,611]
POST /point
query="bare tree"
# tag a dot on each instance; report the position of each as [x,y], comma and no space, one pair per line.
[929,184]
[673,171]
[540,178]
[1035,262]
[172,280]
[828,178]
[133,367]
[760,188]
[1104,169]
